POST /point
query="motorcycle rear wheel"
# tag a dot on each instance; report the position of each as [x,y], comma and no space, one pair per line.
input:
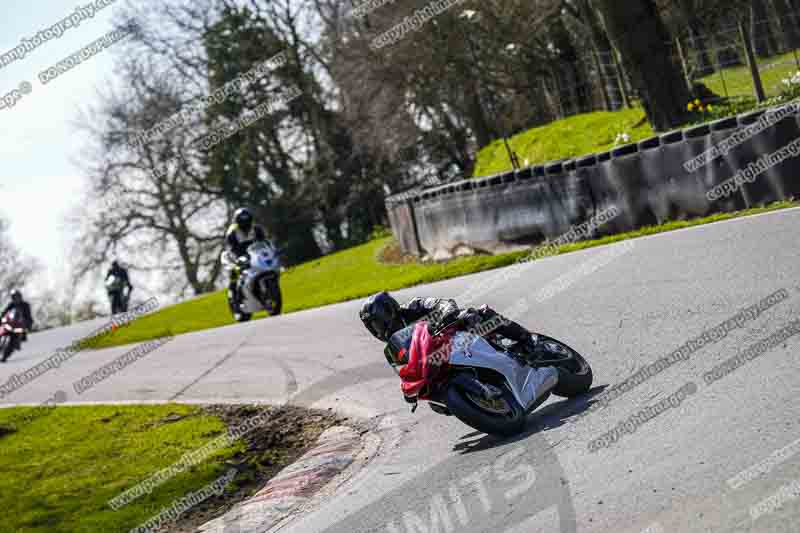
[504,417]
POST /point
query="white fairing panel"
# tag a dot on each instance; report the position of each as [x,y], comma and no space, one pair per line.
[470,350]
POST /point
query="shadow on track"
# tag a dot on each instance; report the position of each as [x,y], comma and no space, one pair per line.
[549,417]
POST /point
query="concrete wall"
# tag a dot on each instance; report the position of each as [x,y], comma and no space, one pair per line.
[646,182]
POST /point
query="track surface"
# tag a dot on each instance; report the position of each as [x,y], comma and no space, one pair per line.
[670,474]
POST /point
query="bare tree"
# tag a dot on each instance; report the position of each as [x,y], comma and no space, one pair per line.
[16,269]
[149,203]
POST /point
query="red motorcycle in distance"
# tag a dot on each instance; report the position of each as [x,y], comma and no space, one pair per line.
[12,330]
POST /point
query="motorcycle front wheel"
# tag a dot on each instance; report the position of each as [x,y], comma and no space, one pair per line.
[239,317]
[277,299]
[502,416]
[7,347]
[116,305]
[574,373]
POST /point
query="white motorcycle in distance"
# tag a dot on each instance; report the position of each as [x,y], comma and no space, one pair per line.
[117,295]
[259,281]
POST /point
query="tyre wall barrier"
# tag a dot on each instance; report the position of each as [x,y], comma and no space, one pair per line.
[647,183]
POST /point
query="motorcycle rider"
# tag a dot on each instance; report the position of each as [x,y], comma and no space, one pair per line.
[119,271]
[17,302]
[382,315]
[240,235]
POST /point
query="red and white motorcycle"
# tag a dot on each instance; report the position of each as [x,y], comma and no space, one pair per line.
[12,331]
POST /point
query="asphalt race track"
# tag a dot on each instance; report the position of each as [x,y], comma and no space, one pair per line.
[433,473]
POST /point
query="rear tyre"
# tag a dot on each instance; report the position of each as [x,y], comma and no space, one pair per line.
[504,418]
[574,374]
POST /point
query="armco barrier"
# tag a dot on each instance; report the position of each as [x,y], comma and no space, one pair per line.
[657,185]
[647,182]
[724,168]
[782,179]
[692,200]
[758,191]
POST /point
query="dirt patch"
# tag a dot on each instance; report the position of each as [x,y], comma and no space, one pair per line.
[288,434]
[392,254]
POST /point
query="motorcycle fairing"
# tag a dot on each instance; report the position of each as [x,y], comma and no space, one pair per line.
[473,351]
[264,264]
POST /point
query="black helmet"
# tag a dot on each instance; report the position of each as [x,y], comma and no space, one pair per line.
[16,296]
[244,219]
[381,316]
[114,264]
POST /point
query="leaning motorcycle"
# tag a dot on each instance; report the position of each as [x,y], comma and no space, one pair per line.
[115,287]
[488,382]
[258,283]
[12,329]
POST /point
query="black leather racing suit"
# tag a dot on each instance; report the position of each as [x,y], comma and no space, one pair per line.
[439,312]
[121,273]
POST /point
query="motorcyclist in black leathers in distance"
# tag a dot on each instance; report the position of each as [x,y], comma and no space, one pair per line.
[240,235]
[17,302]
[122,273]
[382,315]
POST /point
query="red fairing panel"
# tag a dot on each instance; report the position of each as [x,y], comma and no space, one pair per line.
[427,361]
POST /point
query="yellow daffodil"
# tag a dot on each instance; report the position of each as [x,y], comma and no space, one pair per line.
[690,106]
[710,107]
[697,102]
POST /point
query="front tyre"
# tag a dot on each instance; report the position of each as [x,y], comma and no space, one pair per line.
[116,305]
[7,345]
[574,373]
[242,317]
[238,315]
[277,299]
[502,416]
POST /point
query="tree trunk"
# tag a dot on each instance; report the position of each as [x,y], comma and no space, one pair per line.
[699,61]
[602,56]
[761,31]
[480,125]
[787,27]
[639,34]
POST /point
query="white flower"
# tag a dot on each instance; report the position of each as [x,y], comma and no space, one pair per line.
[468,14]
[511,47]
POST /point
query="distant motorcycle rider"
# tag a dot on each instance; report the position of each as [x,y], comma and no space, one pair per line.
[240,235]
[121,273]
[17,302]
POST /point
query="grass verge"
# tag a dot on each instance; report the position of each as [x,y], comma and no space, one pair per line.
[61,465]
[595,132]
[359,272]
[570,137]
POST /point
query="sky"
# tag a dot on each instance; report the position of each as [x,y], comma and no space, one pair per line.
[40,180]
